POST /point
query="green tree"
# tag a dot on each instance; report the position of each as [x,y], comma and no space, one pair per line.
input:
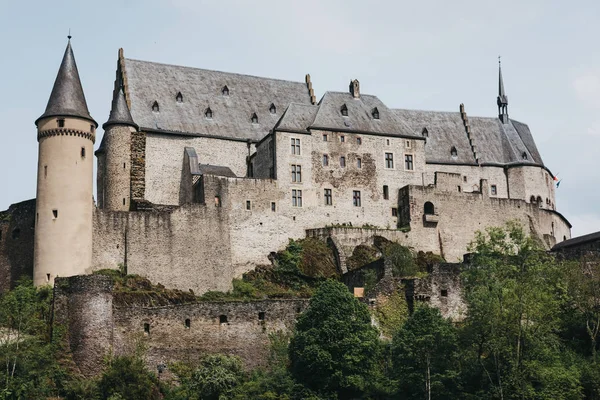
[514,292]
[335,348]
[127,378]
[216,377]
[425,356]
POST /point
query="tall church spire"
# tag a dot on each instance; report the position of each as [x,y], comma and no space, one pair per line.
[67,98]
[502,97]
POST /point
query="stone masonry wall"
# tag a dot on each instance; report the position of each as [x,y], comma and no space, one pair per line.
[17,228]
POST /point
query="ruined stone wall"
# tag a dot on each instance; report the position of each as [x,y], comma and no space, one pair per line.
[187,248]
[164,162]
[17,228]
[442,289]
[169,338]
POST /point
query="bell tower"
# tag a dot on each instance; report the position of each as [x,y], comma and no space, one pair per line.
[64,207]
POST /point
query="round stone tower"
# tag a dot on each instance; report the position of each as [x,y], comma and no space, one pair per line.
[116,153]
[66,135]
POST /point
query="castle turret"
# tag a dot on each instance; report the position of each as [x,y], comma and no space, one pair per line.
[502,100]
[66,135]
[115,156]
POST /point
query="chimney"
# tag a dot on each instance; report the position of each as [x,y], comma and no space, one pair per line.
[355,88]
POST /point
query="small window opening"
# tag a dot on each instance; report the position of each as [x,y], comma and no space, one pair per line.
[358,140]
[225,91]
[453,152]
[494,190]
[179,97]
[188,323]
[248,204]
[459,188]
[146,328]
[387,142]
[47,277]
[217,201]
[394,212]
[61,123]
[123,200]
[208,113]
[83,152]
[325,160]
[273,109]
[123,165]
[261,316]
[464,178]
[425,132]
[342,138]
[386,192]
[375,113]
[358,163]
[273,206]
[428,208]
[16,233]
[564,238]
[524,155]
[45,171]
[55,213]
[532,199]
[155,107]
[344,110]
[444,293]
[408,144]
[222,319]
[342,161]
[254,118]
[324,138]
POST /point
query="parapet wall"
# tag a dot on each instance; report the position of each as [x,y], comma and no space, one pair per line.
[17,228]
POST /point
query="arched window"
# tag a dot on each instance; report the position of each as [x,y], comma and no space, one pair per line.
[453,152]
[155,107]
[225,91]
[254,118]
[375,113]
[524,156]
[344,110]
[425,132]
[428,208]
[532,199]
[208,113]
[179,97]
[273,109]
[539,200]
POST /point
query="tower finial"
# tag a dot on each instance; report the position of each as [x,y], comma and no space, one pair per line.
[69,35]
[502,100]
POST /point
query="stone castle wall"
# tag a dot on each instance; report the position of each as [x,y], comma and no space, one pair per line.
[97,324]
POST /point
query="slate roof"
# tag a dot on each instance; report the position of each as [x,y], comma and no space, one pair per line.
[577,241]
[231,115]
[67,98]
[119,112]
[297,118]
[218,170]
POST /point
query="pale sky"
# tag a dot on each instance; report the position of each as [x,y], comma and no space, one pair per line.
[430,55]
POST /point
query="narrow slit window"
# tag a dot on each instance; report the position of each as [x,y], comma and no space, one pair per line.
[386,192]
[394,212]
[146,328]
[123,165]
[359,163]
[83,152]
[208,114]
[342,161]
[248,205]
[325,160]
[261,316]
[188,323]
[45,171]
[47,277]
[123,200]
[273,206]
[55,213]
[358,141]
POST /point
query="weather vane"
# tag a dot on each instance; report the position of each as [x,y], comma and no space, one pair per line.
[499,62]
[69,36]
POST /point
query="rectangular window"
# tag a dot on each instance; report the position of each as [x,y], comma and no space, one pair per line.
[342,161]
[55,213]
[273,206]
[328,199]
[394,212]
[494,190]
[297,198]
[358,140]
[356,198]
[386,192]
[296,146]
[408,144]
[296,173]
[358,163]
[217,201]
[408,162]
[342,138]
[325,160]
[83,152]
[248,205]
[61,123]
[324,138]
[389,160]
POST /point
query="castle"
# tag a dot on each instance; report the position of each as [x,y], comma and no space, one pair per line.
[202,174]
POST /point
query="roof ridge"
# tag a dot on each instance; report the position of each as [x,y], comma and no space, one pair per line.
[214,70]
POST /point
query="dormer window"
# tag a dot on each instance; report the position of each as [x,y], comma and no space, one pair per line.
[254,118]
[155,107]
[61,123]
[273,109]
[453,152]
[208,113]
[425,132]
[375,113]
[344,110]
[179,97]
[225,91]
[524,156]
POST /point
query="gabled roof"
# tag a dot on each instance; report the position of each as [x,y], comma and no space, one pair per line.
[67,98]
[592,237]
[297,118]
[218,170]
[360,118]
[148,82]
